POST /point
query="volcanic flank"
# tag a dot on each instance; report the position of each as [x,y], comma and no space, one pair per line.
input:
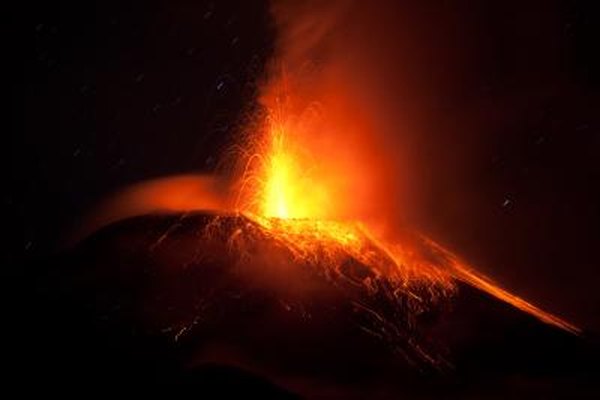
[182,299]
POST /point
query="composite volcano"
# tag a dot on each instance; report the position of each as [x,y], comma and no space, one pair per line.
[219,303]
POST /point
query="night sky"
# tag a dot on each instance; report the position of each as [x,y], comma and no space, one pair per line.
[117,92]
[104,95]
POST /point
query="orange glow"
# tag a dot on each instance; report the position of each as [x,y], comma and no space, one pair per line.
[295,199]
[285,179]
[288,182]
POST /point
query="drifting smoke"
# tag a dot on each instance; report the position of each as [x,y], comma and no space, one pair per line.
[161,195]
[318,157]
[313,91]
[402,105]
[361,81]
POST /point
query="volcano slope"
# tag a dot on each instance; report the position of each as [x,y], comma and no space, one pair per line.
[214,303]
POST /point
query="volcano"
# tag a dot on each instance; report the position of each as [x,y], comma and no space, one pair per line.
[216,303]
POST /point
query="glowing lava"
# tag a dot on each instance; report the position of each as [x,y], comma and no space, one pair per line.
[284,193]
[281,179]
[287,192]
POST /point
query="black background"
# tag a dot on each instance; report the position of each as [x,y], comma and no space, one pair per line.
[110,93]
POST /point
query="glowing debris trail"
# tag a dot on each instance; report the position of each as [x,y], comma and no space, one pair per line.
[285,196]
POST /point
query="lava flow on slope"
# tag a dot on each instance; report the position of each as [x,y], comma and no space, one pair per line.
[283,191]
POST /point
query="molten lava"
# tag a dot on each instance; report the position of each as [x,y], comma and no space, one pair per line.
[290,200]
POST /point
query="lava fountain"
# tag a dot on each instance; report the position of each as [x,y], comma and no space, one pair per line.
[285,193]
